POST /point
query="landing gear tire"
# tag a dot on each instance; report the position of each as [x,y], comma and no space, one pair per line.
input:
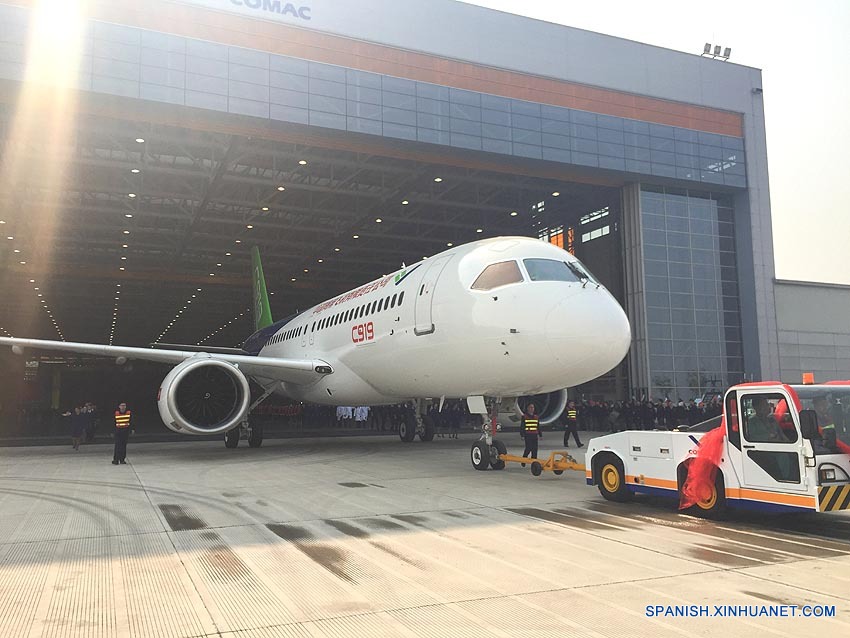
[536,468]
[255,439]
[480,455]
[406,431]
[612,481]
[231,438]
[499,448]
[558,472]
[429,430]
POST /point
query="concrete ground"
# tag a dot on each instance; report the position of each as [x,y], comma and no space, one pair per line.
[368,536]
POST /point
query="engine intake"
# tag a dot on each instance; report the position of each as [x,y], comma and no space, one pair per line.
[203,395]
[549,406]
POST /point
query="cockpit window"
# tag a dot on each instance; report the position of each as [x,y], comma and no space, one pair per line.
[553,270]
[495,275]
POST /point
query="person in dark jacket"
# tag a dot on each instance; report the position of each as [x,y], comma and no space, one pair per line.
[78,426]
[569,417]
[529,430]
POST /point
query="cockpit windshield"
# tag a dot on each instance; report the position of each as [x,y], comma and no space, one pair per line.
[554,270]
[500,274]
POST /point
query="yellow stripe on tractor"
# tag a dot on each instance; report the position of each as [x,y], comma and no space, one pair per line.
[833,498]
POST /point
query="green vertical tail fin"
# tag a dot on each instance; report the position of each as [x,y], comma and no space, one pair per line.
[262,309]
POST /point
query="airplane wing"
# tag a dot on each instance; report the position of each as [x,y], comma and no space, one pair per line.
[298,371]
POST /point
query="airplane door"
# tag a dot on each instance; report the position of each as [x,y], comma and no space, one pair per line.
[425,296]
[772,449]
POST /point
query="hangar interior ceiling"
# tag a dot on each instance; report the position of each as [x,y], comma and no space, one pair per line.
[109,239]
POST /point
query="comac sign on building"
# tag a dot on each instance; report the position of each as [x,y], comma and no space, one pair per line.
[279,10]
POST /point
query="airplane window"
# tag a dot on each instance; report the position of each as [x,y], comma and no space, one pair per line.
[313,327]
[550,270]
[374,306]
[392,303]
[500,274]
[387,303]
[400,297]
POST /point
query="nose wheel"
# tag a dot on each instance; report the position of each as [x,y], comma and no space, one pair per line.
[484,456]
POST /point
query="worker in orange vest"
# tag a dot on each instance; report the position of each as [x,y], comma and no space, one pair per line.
[123,419]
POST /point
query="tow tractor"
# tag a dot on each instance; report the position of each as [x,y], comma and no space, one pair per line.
[774,453]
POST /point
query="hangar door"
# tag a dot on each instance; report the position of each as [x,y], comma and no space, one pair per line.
[425,296]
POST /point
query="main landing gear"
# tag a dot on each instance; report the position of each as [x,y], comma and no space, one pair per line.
[251,433]
[486,450]
[414,422]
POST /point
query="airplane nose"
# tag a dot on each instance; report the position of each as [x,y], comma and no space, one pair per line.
[589,330]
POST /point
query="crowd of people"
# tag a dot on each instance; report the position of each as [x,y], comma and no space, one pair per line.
[615,416]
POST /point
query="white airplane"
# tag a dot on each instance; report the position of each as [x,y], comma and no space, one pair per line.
[499,318]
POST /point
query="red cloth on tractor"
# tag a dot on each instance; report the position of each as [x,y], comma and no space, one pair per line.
[703,468]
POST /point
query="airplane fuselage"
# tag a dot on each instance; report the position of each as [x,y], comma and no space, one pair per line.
[424,331]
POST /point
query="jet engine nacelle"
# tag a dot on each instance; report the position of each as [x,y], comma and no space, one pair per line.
[549,406]
[203,395]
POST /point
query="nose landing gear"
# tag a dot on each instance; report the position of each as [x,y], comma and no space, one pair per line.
[485,451]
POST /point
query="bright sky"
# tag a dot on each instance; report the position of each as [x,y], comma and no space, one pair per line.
[803,50]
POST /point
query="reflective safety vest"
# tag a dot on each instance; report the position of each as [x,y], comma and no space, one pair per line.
[531,424]
[572,415]
[122,421]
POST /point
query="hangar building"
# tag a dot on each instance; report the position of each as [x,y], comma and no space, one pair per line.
[345,138]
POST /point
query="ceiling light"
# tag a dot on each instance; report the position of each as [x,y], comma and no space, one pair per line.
[302,162]
[131,195]
[124,246]
[140,140]
[404,202]
[227,254]
[555,194]
[336,250]
[128,215]
[194,296]
[123,259]
[39,295]
[514,213]
[265,208]
[249,226]
[199,290]
[306,270]
[450,244]
[212,274]
[321,261]
[238,241]
[134,170]
[2,222]
[32,281]
[36,288]
[438,179]
[10,237]
[218,265]
[293,279]
[281,188]
[16,250]
[479,230]
[23,263]
[378,220]
[126,232]
[355,236]
[121,268]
